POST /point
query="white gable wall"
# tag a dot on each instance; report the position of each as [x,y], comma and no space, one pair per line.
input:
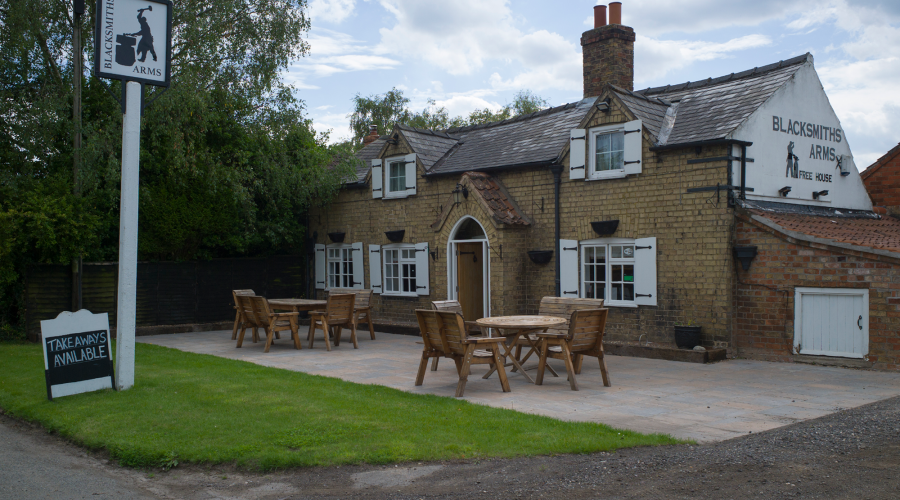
[801,102]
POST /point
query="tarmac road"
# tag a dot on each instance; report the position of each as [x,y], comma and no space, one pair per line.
[849,454]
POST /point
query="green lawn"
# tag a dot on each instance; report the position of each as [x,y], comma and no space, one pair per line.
[203,409]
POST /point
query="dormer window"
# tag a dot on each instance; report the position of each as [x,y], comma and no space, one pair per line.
[398,176]
[608,151]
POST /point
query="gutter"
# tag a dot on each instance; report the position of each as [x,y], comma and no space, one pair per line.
[533,164]
[713,142]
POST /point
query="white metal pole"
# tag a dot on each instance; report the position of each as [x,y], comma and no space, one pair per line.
[128,237]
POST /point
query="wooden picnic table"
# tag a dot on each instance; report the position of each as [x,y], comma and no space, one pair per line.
[516,327]
[297,305]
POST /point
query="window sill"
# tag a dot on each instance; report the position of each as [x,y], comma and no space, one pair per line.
[619,174]
[394,196]
[630,305]
[395,294]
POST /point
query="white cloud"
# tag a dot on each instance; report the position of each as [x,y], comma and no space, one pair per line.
[332,11]
[654,58]
[462,105]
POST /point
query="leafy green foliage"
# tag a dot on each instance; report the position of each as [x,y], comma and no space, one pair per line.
[229,163]
[384,110]
[201,409]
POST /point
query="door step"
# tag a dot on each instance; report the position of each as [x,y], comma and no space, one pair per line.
[830,361]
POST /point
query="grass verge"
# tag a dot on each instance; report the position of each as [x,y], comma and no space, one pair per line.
[203,409]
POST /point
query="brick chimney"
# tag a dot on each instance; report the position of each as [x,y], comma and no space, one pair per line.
[373,134]
[608,52]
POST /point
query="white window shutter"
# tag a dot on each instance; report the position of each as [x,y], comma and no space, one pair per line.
[321,267]
[377,179]
[411,171]
[568,268]
[577,155]
[375,268]
[634,147]
[645,293]
[356,256]
[422,269]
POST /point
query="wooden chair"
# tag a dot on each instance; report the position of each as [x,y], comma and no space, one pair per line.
[337,314]
[472,328]
[444,335]
[363,312]
[560,307]
[584,338]
[238,317]
[261,316]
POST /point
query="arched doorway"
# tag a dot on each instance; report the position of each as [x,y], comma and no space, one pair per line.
[468,268]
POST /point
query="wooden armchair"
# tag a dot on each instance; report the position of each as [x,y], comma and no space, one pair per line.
[472,329]
[584,338]
[260,316]
[363,312]
[238,316]
[444,335]
[338,313]
[560,307]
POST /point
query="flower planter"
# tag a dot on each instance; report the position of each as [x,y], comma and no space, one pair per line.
[540,256]
[395,236]
[336,237]
[605,228]
[687,337]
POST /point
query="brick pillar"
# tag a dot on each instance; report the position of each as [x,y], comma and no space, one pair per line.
[608,54]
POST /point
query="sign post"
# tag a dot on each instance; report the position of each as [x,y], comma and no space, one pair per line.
[132,43]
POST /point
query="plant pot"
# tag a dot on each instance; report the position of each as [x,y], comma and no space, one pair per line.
[336,237]
[687,337]
[606,227]
[540,256]
[395,236]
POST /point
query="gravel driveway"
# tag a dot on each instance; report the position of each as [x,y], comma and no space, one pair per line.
[852,453]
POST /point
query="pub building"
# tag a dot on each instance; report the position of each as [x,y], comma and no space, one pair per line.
[732,203]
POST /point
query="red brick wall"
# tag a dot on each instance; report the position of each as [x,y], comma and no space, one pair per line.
[764,295]
[883,183]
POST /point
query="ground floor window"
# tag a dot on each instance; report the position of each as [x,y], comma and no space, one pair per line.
[608,272]
[400,270]
[340,267]
[620,271]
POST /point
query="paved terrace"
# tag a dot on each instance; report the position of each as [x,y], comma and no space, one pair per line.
[686,400]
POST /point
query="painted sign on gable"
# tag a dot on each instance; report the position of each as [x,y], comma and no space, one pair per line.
[132,40]
[77,356]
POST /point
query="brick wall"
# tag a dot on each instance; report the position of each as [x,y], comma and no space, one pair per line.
[882,181]
[693,232]
[764,295]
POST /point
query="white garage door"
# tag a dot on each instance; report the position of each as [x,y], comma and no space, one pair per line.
[831,322]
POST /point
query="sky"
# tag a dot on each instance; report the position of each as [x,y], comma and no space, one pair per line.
[472,54]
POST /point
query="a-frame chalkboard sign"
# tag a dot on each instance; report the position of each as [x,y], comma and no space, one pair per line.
[77,356]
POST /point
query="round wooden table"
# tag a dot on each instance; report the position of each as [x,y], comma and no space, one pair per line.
[517,327]
[297,305]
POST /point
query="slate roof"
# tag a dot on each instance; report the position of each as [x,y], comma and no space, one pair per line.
[712,108]
[881,233]
[368,153]
[496,199]
[429,145]
[533,138]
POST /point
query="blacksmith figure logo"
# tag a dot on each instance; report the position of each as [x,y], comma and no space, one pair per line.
[793,163]
[125,52]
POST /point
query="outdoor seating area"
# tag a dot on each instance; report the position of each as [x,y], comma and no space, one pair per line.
[564,329]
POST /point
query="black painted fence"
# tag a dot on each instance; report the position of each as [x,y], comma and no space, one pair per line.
[168,293]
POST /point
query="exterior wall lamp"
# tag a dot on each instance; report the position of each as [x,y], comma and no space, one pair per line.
[817,194]
[461,192]
[784,191]
[842,165]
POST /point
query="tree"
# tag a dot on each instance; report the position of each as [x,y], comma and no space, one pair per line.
[229,163]
[384,110]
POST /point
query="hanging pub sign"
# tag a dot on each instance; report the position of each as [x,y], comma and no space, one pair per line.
[77,356]
[133,41]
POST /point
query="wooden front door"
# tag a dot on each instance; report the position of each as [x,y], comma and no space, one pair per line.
[470,279]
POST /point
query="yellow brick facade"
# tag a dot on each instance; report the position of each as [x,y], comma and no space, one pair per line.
[694,235]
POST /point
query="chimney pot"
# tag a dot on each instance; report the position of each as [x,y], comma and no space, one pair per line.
[615,12]
[599,16]
[373,135]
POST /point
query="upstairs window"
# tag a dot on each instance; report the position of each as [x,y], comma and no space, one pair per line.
[396,177]
[400,176]
[608,152]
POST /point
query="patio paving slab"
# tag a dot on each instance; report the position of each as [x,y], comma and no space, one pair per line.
[707,403]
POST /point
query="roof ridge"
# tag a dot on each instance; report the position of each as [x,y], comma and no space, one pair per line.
[759,70]
[639,95]
[436,133]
